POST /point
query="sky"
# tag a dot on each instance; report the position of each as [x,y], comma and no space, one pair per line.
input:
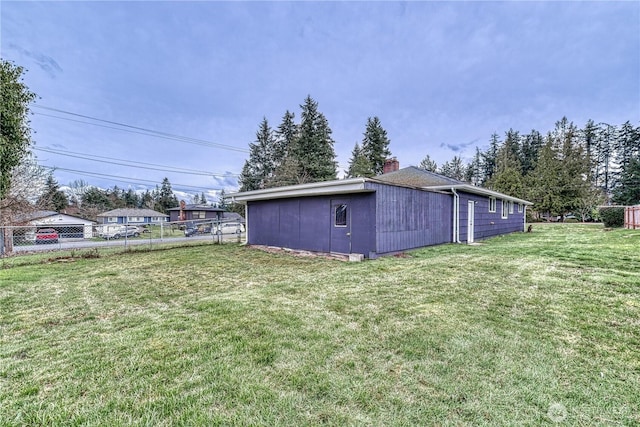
[132,92]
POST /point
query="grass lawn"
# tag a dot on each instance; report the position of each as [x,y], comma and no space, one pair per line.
[527,329]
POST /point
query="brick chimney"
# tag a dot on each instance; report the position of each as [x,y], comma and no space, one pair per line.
[391,165]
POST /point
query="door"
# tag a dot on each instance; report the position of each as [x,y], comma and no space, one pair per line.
[470,220]
[340,226]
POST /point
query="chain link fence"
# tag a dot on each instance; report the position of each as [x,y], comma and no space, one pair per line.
[26,239]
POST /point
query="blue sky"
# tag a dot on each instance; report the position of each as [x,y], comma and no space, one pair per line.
[441,76]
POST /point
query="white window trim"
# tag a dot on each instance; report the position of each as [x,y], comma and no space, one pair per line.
[520,208]
[510,207]
[492,204]
[112,219]
[505,208]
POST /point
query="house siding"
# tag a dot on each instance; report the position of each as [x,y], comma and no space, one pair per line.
[304,223]
[488,224]
[409,218]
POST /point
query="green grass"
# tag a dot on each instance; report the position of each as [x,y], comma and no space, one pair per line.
[527,329]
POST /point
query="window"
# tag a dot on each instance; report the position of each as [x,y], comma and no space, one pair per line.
[112,219]
[198,215]
[341,216]
[510,207]
[520,207]
[135,219]
[492,204]
[504,209]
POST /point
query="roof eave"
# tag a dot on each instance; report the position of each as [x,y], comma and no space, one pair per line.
[342,186]
[479,190]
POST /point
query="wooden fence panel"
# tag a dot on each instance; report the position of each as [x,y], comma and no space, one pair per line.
[632,217]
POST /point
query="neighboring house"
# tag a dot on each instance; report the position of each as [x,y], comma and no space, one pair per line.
[403,209]
[132,216]
[67,226]
[202,212]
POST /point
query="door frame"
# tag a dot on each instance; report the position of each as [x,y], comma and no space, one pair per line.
[471,210]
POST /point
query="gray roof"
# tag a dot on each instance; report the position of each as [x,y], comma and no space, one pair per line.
[416,177]
[132,212]
[194,207]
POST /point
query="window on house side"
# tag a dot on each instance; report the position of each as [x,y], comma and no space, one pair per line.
[112,219]
[520,208]
[510,207]
[341,216]
[492,204]
[199,215]
[504,208]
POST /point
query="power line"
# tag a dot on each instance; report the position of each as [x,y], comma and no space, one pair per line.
[135,164]
[138,181]
[138,130]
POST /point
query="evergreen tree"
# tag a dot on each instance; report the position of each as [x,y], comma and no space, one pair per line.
[627,145]
[285,138]
[428,164]
[628,192]
[375,146]
[359,164]
[544,182]
[454,169]
[53,198]
[489,157]
[474,169]
[260,166]
[131,199]
[507,177]
[530,150]
[222,202]
[314,148]
[165,198]
[589,138]
[605,155]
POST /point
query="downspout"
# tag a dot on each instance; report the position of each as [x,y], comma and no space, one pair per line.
[456,215]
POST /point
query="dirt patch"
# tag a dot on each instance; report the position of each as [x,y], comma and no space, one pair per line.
[300,253]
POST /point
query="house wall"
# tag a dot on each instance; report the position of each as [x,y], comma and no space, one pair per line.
[488,224]
[174,215]
[305,222]
[410,218]
[123,220]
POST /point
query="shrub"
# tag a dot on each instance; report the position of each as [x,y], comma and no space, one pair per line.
[612,216]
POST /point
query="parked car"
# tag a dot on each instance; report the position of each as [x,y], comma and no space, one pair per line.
[46,235]
[121,231]
[192,229]
[230,228]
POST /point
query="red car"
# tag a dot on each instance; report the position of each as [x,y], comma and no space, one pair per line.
[46,235]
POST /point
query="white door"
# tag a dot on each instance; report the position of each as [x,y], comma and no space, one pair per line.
[470,221]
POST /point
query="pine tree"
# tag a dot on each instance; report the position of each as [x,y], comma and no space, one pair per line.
[165,198]
[375,146]
[628,191]
[454,169]
[359,164]
[489,157]
[314,148]
[544,182]
[285,138]
[260,166]
[474,171]
[53,198]
[507,177]
[428,164]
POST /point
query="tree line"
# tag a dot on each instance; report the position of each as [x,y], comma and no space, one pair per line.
[298,153]
[566,170]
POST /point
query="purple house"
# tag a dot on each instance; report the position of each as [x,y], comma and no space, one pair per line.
[400,210]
